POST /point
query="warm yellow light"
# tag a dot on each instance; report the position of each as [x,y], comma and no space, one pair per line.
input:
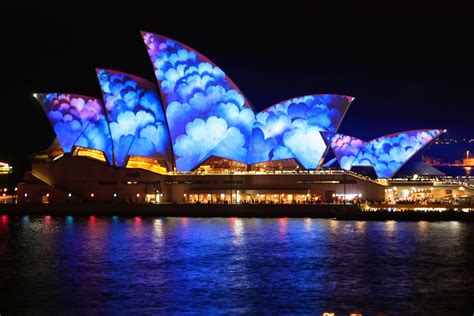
[146,164]
[90,153]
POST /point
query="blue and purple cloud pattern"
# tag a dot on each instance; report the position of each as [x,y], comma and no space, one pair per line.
[292,129]
[77,120]
[345,148]
[136,119]
[387,154]
[207,114]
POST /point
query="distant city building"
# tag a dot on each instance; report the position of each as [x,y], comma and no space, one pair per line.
[5,168]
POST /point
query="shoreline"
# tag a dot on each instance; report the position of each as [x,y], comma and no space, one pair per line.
[335,211]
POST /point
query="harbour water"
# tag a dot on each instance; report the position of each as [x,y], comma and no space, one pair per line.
[149,265]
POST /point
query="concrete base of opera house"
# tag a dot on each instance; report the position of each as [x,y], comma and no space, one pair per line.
[75,179]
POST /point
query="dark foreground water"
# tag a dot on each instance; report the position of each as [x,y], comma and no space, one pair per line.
[207,266]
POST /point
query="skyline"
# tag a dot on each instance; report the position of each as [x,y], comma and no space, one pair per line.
[269,61]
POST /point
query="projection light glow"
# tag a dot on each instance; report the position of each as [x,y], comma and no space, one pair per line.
[206,112]
[292,129]
[386,154]
[77,120]
[345,148]
[136,119]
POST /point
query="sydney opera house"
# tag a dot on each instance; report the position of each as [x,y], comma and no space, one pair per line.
[193,136]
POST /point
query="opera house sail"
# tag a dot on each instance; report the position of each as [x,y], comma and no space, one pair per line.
[78,120]
[386,154]
[135,115]
[207,113]
[292,129]
[194,120]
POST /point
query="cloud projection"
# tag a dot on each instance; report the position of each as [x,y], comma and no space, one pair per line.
[292,129]
[137,122]
[199,95]
[77,120]
[204,114]
[345,148]
[387,154]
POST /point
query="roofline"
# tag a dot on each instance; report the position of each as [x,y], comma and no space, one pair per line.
[313,95]
[250,104]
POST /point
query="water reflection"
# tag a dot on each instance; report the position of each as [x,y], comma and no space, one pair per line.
[308,224]
[69,220]
[390,228]
[92,220]
[137,220]
[4,223]
[283,227]
[231,266]
[158,231]
[334,226]
[423,229]
[185,222]
[237,225]
[361,226]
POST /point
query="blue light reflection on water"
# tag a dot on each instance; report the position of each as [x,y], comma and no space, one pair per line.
[234,265]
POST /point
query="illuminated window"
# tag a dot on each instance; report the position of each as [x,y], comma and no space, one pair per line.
[89,153]
[150,164]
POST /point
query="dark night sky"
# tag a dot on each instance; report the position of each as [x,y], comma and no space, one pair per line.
[408,67]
